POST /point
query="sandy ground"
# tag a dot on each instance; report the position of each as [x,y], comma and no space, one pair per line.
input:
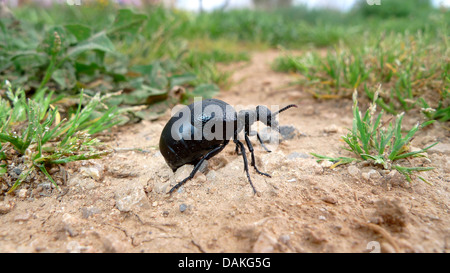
[118,204]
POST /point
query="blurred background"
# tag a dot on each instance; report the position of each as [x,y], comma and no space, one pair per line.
[146,48]
[196,5]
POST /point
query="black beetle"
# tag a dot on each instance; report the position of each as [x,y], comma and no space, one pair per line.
[202,129]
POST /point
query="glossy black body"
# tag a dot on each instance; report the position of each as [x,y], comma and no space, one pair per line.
[184,151]
[202,129]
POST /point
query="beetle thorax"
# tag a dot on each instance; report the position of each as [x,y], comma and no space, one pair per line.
[245,119]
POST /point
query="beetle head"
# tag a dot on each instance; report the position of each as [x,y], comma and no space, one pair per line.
[247,117]
[264,115]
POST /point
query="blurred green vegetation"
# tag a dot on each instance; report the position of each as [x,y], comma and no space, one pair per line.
[295,27]
[148,51]
[406,50]
[70,48]
[395,8]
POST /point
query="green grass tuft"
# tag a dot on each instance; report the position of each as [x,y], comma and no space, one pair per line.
[32,133]
[383,146]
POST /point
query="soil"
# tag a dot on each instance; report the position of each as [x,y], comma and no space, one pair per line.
[119,204]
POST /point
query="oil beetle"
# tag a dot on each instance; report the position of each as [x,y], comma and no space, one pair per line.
[201,130]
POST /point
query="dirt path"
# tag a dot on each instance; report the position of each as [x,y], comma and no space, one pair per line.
[118,204]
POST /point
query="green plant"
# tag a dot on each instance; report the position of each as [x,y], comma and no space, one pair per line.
[440,113]
[33,134]
[129,51]
[393,8]
[400,61]
[384,146]
[204,65]
[292,64]
[69,56]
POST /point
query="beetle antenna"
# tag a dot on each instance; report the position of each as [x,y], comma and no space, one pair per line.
[283,109]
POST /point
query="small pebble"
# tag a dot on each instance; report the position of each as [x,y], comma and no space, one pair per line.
[92,172]
[183,207]
[284,238]
[326,164]
[353,171]
[200,177]
[395,177]
[22,217]
[329,199]
[17,171]
[288,132]
[373,174]
[331,129]
[366,176]
[22,193]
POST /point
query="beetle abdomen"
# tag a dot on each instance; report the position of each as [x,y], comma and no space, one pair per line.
[196,130]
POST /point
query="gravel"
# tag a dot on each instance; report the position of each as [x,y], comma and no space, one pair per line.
[183,207]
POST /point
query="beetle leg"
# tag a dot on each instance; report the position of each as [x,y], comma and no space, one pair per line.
[237,150]
[250,147]
[197,167]
[262,143]
[241,146]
